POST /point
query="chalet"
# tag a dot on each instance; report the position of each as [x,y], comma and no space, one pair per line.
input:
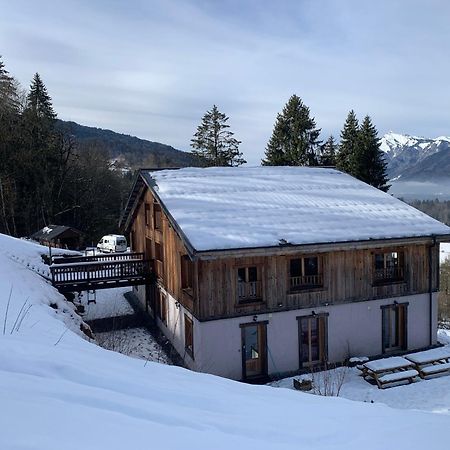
[269,270]
[60,236]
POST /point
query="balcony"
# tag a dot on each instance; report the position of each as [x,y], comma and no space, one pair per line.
[249,292]
[389,275]
[305,282]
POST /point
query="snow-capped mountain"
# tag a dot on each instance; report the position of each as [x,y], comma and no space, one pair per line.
[416,158]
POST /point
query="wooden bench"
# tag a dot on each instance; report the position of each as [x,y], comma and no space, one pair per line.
[431,362]
[388,371]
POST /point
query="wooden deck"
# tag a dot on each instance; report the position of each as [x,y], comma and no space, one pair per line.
[80,273]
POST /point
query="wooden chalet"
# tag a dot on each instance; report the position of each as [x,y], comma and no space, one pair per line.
[59,236]
[266,271]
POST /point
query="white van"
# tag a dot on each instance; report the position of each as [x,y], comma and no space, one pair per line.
[112,243]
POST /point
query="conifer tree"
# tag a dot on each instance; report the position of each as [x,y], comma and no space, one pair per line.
[294,139]
[39,102]
[213,143]
[369,164]
[8,92]
[328,152]
[347,146]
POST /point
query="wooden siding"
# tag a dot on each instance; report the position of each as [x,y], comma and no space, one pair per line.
[348,275]
[145,237]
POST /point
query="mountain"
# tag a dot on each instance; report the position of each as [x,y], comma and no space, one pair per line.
[412,158]
[131,150]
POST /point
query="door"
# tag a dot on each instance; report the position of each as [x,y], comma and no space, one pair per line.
[394,327]
[254,350]
[313,340]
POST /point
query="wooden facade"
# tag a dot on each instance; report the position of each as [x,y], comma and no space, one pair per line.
[220,285]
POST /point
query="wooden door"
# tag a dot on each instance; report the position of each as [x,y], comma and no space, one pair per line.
[313,340]
[254,350]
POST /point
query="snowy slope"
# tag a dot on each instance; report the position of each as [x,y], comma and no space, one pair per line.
[59,391]
[409,156]
[237,207]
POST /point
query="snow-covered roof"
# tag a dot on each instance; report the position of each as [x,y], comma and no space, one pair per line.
[242,207]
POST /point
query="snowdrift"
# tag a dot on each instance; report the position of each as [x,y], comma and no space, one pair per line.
[60,392]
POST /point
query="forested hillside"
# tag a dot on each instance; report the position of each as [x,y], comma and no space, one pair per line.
[135,152]
[440,210]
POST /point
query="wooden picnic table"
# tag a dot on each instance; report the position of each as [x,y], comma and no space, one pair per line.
[389,370]
[431,362]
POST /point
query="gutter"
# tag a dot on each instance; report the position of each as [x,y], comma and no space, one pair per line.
[430,285]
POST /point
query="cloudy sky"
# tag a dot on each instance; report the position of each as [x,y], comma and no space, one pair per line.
[152,68]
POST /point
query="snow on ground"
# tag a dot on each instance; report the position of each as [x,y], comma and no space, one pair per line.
[59,391]
[134,342]
[109,303]
[444,336]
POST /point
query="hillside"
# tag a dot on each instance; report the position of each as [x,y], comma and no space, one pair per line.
[60,391]
[135,152]
[412,158]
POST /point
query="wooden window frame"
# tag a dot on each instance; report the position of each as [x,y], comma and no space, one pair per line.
[404,338]
[259,285]
[147,214]
[189,336]
[380,277]
[187,275]
[306,287]
[302,364]
[162,308]
[157,216]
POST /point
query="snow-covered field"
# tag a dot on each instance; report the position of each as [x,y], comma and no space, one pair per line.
[60,392]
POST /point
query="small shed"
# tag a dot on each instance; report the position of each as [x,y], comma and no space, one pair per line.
[59,236]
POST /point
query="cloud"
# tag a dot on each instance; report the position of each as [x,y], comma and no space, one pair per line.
[152,68]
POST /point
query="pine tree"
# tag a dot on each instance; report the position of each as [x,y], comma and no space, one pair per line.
[294,139]
[8,92]
[347,146]
[39,102]
[328,152]
[368,161]
[214,144]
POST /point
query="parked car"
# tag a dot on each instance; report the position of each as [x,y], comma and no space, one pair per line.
[112,243]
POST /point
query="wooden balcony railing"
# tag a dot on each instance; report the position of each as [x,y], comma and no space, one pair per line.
[389,275]
[249,291]
[306,282]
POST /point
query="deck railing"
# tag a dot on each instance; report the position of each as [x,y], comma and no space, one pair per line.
[99,257]
[389,274]
[249,291]
[91,272]
[305,282]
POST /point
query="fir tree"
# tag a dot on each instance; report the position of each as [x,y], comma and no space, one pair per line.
[347,146]
[328,152]
[8,92]
[369,164]
[39,102]
[294,139]
[214,144]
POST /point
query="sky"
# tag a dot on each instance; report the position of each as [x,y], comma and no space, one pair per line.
[153,68]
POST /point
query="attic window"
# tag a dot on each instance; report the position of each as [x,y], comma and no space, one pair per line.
[147,214]
[389,267]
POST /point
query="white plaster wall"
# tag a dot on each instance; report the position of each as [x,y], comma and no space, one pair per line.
[353,329]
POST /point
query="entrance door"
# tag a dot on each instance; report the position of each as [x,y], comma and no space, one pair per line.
[254,350]
[394,329]
[313,340]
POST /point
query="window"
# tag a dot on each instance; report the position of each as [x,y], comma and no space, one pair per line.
[248,284]
[313,337]
[157,216]
[389,267]
[394,327]
[147,215]
[187,274]
[305,273]
[188,335]
[162,308]
[159,257]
